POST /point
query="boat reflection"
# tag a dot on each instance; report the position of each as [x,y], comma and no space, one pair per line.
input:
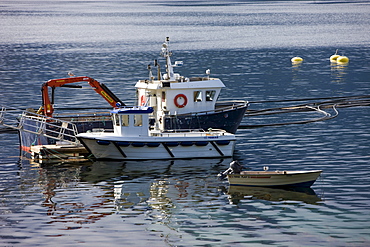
[239,193]
[66,199]
[150,169]
[80,194]
[153,185]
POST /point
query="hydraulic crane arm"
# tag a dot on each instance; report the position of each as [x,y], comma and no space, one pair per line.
[100,88]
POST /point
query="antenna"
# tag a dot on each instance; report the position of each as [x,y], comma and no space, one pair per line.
[158,69]
[150,73]
[166,53]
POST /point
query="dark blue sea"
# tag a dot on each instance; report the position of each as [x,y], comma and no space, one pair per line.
[248,44]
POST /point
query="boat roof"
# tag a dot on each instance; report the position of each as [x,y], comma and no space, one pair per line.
[133,110]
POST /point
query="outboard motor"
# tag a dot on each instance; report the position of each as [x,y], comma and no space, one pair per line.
[235,168]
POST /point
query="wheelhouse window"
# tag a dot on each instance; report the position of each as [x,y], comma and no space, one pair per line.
[124,120]
[210,95]
[138,120]
[197,96]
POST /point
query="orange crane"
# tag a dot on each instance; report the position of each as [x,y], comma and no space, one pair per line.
[47,105]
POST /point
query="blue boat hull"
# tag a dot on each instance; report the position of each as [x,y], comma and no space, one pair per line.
[226,120]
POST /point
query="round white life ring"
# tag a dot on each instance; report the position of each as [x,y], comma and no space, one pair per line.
[180,100]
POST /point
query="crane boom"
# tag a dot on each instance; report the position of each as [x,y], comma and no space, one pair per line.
[100,88]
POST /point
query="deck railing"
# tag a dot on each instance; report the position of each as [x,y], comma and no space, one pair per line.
[221,106]
[34,123]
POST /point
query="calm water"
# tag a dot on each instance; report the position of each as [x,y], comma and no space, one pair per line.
[248,44]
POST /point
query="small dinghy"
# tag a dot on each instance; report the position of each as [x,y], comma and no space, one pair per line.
[267,178]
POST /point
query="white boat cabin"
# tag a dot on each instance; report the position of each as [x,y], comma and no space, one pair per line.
[173,94]
[131,121]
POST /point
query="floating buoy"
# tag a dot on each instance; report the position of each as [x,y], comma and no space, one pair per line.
[296,60]
[342,59]
[333,58]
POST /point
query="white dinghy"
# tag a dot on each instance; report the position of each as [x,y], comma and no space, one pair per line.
[268,178]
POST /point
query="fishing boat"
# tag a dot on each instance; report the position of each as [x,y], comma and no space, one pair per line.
[178,102]
[181,102]
[268,178]
[135,139]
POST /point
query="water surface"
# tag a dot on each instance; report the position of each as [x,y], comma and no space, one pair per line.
[248,44]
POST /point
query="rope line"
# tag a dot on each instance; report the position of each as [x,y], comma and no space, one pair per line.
[333,103]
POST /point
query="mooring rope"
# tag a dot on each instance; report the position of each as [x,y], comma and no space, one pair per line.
[332,102]
[321,103]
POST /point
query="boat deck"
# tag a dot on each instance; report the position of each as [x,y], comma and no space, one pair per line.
[277,172]
[58,153]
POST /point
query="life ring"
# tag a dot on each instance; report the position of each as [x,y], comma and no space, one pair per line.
[142,100]
[179,96]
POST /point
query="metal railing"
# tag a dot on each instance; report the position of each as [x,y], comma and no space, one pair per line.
[34,123]
[220,106]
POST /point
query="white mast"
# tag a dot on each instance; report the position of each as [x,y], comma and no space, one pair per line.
[166,53]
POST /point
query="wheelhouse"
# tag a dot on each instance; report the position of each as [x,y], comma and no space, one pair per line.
[131,121]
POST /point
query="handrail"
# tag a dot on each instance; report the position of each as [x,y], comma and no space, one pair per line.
[228,106]
[34,123]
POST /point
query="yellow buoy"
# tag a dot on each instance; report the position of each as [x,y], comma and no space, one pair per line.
[342,59]
[296,60]
[334,58]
